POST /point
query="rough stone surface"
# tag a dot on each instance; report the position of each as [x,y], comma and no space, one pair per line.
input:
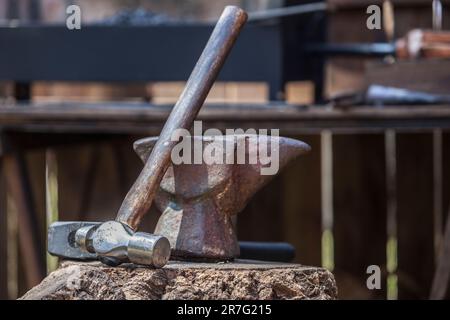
[183,280]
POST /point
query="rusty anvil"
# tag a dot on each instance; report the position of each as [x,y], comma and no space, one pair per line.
[197,201]
[205,229]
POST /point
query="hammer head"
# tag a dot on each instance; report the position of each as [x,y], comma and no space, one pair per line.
[111,242]
[61,240]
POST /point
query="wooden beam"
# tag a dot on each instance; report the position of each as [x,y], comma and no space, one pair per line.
[390,142]
[3,237]
[438,214]
[301,204]
[51,198]
[359,194]
[442,275]
[292,120]
[415,231]
[29,240]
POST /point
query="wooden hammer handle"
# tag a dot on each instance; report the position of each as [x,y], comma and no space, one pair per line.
[139,199]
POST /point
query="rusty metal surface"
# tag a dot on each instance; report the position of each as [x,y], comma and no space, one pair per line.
[139,198]
[197,201]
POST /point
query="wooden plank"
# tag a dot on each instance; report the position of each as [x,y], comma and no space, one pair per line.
[301,204]
[90,174]
[145,119]
[390,141]
[35,169]
[415,215]
[88,92]
[429,75]
[440,284]
[359,213]
[19,188]
[51,200]
[326,201]
[85,192]
[33,172]
[221,92]
[144,112]
[3,237]
[438,200]
[442,275]
[94,192]
[445,178]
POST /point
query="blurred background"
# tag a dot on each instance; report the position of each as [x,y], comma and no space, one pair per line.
[374,190]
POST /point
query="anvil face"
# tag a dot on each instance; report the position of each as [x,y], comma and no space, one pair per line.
[61,240]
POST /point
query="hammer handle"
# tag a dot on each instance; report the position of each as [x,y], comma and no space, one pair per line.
[139,199]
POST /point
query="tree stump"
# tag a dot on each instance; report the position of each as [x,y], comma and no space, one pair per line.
[186,280]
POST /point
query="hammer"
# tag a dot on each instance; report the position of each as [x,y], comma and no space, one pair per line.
[115,242]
